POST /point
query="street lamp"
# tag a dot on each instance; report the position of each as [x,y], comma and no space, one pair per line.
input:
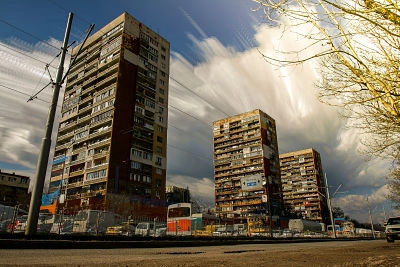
[328,198]
[64,198]
[267,199]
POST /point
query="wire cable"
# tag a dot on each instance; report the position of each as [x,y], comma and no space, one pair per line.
[190,115]
[186,87]
[27,33]
[189,152]
[23,93]
[15,50]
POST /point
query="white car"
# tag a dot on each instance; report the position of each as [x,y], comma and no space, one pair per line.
[392,229]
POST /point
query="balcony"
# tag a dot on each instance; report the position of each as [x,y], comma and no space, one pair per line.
[94,193]
[86,90]
[67,136]
[110,80]
[97,167]
[100,155]
[77,161]
[76,173]
[96,181]
[99,143]
[74,185]
[83,119]
[103,131]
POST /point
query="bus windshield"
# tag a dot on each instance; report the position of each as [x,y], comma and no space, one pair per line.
[179,212]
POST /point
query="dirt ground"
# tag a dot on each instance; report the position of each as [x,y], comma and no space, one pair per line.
[335,253]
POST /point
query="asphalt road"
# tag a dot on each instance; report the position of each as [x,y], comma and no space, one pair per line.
[332,253]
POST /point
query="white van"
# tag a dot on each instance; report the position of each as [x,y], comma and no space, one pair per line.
[147,229]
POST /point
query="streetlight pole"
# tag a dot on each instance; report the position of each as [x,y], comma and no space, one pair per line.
[37,191]
[370,219]
[330,206]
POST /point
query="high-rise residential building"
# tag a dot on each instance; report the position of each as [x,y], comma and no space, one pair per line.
[246,166]
[303,184]
[110,151]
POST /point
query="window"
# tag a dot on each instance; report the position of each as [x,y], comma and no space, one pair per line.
[136,152]
[161,91]
[136,165]
[147,155]
[160,129]
[159,150]
[95,175]
[161,100]
[159,139]
[139,110]
[150,103]
[101,116]
[159,161]
[162,82]
[158,171]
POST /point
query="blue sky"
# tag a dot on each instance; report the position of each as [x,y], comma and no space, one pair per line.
[173,19]
[215,55]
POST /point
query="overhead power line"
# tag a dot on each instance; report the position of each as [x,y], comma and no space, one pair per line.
[20,92]
[196,94]
[190,152]
[27,33]
[190,115]
[15,50]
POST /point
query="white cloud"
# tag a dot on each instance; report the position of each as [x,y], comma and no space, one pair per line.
[22,123]
[360,206]
[235,82]
[229,83]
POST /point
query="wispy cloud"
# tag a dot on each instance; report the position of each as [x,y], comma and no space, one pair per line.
[237,82]
[229,82]
[194,24]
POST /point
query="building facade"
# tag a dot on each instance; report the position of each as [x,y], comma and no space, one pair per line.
[110,151]
[246,166]
[14,190]
[303,185]
[176,194]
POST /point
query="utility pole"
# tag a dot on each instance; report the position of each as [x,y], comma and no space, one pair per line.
[384,213]
[41,168]
[330,206]
[370,219]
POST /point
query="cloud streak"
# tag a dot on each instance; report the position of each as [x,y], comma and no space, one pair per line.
[236,82]
[229,82]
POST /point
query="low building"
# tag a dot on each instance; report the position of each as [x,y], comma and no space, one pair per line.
[14,189]
[176,194]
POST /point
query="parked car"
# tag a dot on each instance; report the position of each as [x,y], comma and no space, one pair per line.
[287,233]
[147,229]
[125,229]
[19,224]
[392,230]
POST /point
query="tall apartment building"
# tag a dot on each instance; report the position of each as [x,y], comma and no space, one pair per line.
[110,151]
[302,182]
[246,166]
